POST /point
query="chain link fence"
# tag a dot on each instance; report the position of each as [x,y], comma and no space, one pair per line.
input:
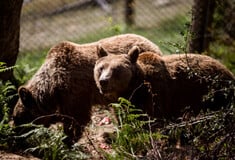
[45,23]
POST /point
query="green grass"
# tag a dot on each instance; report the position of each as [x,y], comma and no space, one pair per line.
[225,53]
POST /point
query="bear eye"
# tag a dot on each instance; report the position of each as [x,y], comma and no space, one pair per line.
[101,68]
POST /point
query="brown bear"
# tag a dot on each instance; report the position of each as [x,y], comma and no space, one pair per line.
[64,87]
[177,82]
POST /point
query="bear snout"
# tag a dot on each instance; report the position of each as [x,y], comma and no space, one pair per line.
[104,83]
[104,86]
[104,79]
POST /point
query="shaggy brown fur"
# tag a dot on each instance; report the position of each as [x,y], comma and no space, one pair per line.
[64,84]
[177,81]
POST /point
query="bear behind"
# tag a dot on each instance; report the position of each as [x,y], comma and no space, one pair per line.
[177,81]
[189,82]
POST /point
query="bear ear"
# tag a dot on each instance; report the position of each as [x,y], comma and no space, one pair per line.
[134,54]
[26,97]
[101,52]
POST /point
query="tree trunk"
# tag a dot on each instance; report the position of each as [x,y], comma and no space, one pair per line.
[129,12]
[9,34]
[202,16]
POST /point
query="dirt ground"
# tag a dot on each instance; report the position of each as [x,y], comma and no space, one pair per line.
[12,156]
[96,136]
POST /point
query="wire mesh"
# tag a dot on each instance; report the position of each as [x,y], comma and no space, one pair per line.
[45,23]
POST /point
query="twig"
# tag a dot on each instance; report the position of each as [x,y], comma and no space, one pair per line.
[155,149]
[57,115]
[132,94]
[194,121]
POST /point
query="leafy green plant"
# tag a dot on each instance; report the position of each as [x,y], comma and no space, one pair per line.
[5,130]
[133,135]
[4,68]
[7,94]
[48,143]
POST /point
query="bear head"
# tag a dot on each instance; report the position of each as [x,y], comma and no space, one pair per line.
[26,109]
[114,74]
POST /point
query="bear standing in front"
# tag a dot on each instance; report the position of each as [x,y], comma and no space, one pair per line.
[63,89]
[178,82]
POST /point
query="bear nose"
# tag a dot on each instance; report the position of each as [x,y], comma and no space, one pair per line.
[104,82]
